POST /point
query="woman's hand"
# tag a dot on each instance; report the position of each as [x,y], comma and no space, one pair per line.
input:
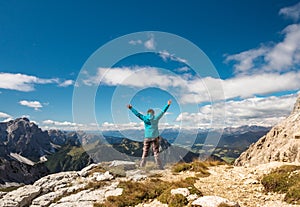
[169,102]
[129,106]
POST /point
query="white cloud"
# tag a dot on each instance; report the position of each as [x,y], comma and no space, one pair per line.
[135,42]
[292,12]
[284,55]
[135,77]
[281,57]
[57,123]
[150,44]
[66,125]
[22,82]
[4,117]
[197,90]
[26,83]
[252,111]
[260,84]
[66,83]
[106,126]
[245,60]
[31,104]
[165,55]
[183,69]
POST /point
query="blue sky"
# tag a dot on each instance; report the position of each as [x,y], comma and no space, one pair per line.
[253,45]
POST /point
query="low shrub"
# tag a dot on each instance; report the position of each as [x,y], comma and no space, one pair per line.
[139,192]
[177,200]
[201,167]
[285,179]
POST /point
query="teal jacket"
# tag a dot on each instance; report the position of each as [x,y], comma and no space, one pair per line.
[150,122]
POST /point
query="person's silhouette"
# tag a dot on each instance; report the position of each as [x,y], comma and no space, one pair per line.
[151,132]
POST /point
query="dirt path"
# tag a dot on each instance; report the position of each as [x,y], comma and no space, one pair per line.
[241,185]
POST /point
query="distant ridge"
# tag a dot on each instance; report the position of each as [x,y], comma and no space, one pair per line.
[282,143]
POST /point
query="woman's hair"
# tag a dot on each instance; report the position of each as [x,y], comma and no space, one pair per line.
[150,111]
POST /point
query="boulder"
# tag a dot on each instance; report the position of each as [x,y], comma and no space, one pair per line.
[102,176]
[182,191]
[213,201]
[23,196]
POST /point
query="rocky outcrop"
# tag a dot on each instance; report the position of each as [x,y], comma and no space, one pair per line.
[58,137]
[226,186]
[13,172]
[74,188]
[21,197]
[22,144]
[25,149]
[25,138]
[93,184]
[296,108]
[281,143]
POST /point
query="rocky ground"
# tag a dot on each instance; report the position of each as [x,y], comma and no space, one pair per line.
[241,184]
[236,186]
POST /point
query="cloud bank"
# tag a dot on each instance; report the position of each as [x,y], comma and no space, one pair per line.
[26,83]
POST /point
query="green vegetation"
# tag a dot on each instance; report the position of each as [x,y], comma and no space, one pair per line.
[166,196]
[227,152]
[9,189]
[116,171]
[285,179]
[177,200]
[68,158]
[139,192]
[197,166]
[224,205]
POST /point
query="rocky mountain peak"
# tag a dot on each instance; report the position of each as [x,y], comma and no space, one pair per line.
[25,138]
[297,106]
[21,124]
[281,143]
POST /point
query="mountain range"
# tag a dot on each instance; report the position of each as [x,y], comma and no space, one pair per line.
[27,152]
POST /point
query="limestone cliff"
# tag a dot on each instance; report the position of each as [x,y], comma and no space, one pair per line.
[282,143]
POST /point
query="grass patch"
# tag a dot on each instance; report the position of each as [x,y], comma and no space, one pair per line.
[285,179]
[177,200]
[201,167]
[9,189]
[140,192]
[96,169]
[224,205]
[188,183]
[156,175]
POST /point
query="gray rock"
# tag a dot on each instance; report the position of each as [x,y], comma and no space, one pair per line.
[2,194]
[183,191]
[23,196]
[136,175]
[192,197]
[85,171]
[280,144]
[89,197]
[56,181]
[213,201]
[102,176]
[126,164]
